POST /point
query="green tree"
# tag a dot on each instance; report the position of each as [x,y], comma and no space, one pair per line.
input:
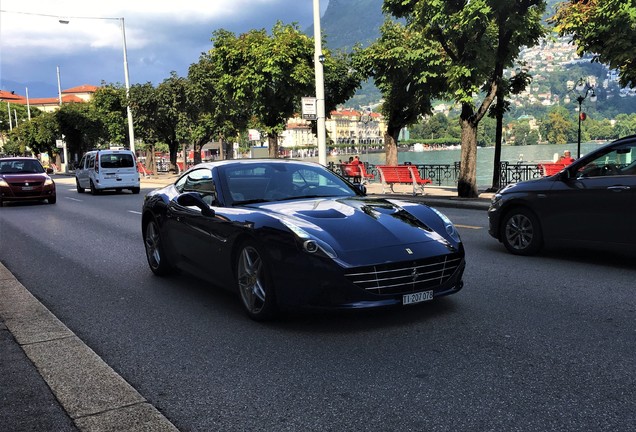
[109,103]
[159,113]
[81,127]
[558,126]
[403,69]
[604,28]
[214,107]
[474,41]
[272,73]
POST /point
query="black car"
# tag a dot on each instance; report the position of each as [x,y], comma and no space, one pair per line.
[287,234]
[590,202]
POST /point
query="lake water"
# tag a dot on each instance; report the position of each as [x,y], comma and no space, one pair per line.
[485,157]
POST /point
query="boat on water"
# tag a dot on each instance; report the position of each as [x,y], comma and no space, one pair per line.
[418,147]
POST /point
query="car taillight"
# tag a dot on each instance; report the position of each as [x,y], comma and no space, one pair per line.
[97,163]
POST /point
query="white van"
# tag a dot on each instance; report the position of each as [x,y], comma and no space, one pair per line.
[107,169]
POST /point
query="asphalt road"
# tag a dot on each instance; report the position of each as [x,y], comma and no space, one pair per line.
[529,344]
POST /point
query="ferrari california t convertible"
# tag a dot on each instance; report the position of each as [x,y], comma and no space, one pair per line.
[288,235]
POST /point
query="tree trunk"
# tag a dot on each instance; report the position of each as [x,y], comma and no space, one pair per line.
[197,153]
[496,172]
[467,181]
[174,148]
[272,139]
[390,148]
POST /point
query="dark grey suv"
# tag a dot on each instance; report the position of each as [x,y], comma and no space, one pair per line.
[592,201]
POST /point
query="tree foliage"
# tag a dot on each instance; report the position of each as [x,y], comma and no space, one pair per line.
[270,72]
[475,41]
[604,28]
[404,69]
[109,103]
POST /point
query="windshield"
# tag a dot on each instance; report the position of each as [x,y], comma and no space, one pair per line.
[271,181]
[20,166]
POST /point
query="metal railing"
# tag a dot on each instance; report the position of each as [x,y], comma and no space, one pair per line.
[447,174]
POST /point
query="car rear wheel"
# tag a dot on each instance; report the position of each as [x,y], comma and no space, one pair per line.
[154,250]
[254,283]
[521,232]
[79,188]
[135,190]
[94,190]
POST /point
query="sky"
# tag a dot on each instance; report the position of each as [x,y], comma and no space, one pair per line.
[161,36]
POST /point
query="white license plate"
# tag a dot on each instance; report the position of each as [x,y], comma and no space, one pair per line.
[28,188]
[417,297]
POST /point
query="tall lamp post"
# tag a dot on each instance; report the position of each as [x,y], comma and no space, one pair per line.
[66,20]
[131,131]
[583,89]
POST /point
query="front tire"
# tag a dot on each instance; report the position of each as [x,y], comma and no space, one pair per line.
[77,185]
[521,232]
[254,284]
[52,200]
[155,254]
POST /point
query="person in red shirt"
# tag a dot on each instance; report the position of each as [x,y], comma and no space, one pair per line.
[566,158]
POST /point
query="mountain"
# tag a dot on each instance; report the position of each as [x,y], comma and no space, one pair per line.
[347,22]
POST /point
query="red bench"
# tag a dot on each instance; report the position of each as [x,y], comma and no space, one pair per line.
[401,174]
[365,175]
[551,168]
[351,172]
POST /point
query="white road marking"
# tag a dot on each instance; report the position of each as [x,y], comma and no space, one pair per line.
[134,212]
[468,227]
[73,199]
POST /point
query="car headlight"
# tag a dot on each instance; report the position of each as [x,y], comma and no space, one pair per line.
[448,225]
[48,181]
[310,244]
[3,183]
[495,199]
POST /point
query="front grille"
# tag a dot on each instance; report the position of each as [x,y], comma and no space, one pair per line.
[24,184]
[406,277]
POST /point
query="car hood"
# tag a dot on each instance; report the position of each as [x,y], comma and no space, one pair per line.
[24,178]
[363,224]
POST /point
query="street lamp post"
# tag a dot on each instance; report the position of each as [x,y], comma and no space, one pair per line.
[583,89]
[131,131]
[319,59]
[66,20]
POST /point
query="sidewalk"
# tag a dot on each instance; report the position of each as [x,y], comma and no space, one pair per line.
[52,381]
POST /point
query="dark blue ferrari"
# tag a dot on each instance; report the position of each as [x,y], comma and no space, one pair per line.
[287,235]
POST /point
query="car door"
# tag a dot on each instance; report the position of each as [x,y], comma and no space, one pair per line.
[82,172]
[200,240]
[598,201]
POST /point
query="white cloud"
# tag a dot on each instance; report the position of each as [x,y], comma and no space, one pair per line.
[161,35]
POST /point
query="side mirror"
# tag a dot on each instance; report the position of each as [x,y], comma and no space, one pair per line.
[49,170]
[193,199]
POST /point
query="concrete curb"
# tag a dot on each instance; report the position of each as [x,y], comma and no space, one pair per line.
[91,392]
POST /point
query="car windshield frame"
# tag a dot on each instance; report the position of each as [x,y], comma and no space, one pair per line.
[254,183]
[21,166]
